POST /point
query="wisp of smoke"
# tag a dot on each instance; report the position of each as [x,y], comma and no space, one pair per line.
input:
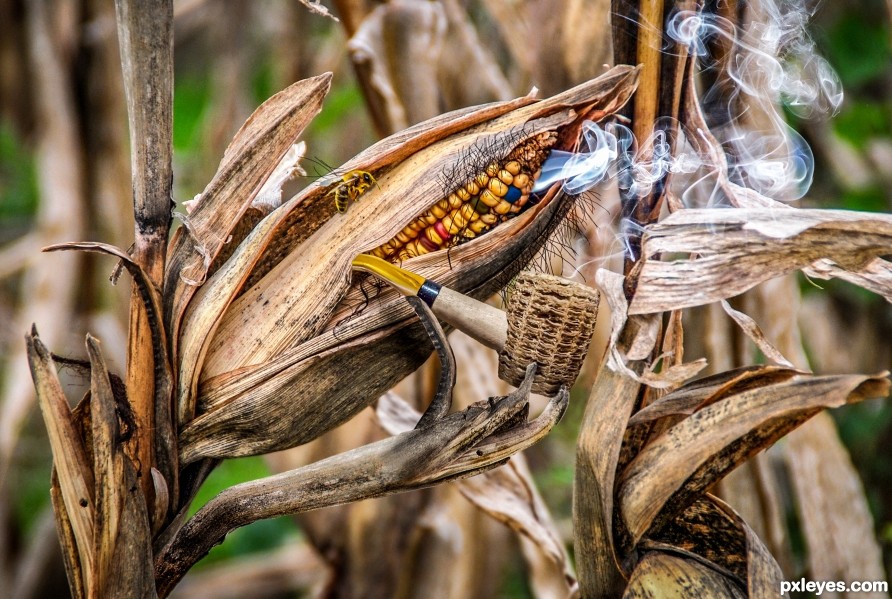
[773,59]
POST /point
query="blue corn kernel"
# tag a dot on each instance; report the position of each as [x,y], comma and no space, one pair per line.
[513,194]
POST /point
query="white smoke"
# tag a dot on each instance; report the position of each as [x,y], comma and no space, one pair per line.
[774,59]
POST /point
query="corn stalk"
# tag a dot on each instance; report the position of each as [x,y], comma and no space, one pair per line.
[238,339]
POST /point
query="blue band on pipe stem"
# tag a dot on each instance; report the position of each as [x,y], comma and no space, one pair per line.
[429,292]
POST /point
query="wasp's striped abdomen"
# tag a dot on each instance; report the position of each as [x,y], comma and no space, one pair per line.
[351,187]
[494,194]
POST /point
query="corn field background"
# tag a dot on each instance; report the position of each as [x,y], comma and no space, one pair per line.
[820,499]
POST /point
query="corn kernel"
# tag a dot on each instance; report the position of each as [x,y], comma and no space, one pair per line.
[497,187]
[502,207]
[521,181]
[489,198]
[477,226]
[432,235]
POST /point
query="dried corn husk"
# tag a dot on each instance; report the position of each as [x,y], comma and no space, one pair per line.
[263,353]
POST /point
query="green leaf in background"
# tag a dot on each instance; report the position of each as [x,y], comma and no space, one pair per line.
[862,120]
[263,535]
[18,180]
[858,47]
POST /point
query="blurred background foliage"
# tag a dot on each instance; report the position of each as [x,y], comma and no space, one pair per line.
[233,54]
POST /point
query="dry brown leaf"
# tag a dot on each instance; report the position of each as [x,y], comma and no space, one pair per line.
[707,390]
[715,254]
[755,492]
[164,440]
[698,451]
[763,573]
[248,161]
[644,330]
[70,457]
[600,438]
[752,330]
[509,495]
[108,467]
[876,276]
[707,534]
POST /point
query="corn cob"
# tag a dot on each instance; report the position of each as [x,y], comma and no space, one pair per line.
[496,193]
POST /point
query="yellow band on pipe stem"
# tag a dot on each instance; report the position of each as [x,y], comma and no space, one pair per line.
[407,283]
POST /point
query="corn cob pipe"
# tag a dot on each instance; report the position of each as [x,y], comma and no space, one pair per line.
[549,320]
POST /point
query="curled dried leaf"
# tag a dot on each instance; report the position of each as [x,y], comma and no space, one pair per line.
[678,465]
[696,257]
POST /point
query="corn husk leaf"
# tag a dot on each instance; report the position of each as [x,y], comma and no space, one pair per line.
[122,541]
[609,406]
[688,458]
[644,330]
[75,474]
[278,338]
[710,389]
[726,252]
[248,161]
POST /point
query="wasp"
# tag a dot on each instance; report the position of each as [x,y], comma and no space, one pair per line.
[351,187]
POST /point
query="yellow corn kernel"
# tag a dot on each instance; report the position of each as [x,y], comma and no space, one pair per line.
[410,231]
[431,234]
[502,207]
[403,238]
[513,167]
[438,212]
[489,219]
[492,169]
[378,252]
[416,248]
[468,212]
[506,177]
[497,187]
[477,226]
[450,225]
[521,181]
[489,198]
[481,180]
[428,218]
[454,201]
[463,194]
